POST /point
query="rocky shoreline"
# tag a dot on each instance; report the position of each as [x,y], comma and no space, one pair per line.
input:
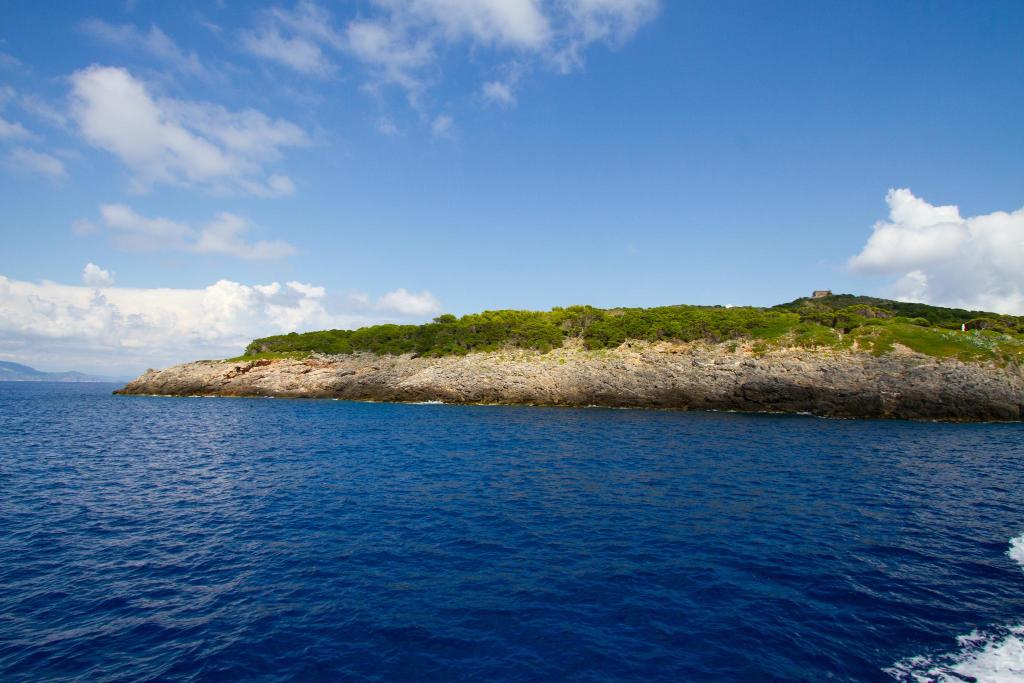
[901,384]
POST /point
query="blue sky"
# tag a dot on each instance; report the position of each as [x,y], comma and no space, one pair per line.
[393,160]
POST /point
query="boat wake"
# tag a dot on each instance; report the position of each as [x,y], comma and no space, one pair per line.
[991,656]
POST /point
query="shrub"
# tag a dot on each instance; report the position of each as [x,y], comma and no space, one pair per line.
[832,321]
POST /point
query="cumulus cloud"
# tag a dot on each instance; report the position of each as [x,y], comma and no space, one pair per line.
[403,302]
[94,276]
[306,289]
[22,159]
[178,142]
[136,327]
[153,42]
[108,330]
[223,234]
[943,258]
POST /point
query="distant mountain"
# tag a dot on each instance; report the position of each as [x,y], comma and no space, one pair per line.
[16,372]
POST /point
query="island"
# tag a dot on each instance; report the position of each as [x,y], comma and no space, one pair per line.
[828,355]
[16,372]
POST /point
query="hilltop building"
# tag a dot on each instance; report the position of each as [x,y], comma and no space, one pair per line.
[821,293]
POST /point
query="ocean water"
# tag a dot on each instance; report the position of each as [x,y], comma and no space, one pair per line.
[201,539]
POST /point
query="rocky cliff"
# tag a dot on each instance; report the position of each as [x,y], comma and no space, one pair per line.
[901,384]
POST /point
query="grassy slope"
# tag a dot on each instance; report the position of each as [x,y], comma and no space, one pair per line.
[841,321]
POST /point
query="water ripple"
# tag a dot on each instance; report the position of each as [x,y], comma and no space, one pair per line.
[189,539]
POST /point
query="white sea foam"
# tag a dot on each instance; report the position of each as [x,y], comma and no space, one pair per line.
[994,656]
[1016,551]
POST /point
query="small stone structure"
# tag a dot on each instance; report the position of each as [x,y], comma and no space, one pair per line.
[821,293]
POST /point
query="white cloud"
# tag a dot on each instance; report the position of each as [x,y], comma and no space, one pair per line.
[12,130]
[396,57]
[443,127]
[515,23]
[911,287]
[296,39]
[943,258]
[404,37]
[404,302]
[153,42]
[916,233]
[299,54]
[280,185]
[26,160]
[403,42]
[94,276]
[496,91]
[123,330]
[224,234]
[268,290]
[178,142]
[307,290]
[608,21]
[134,232]
[132,328]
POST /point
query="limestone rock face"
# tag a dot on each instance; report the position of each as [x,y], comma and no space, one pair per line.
[705,377]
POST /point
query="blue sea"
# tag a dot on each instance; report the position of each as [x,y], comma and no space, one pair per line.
[204,539]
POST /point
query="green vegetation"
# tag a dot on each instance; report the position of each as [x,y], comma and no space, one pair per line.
[540,331]
[936,316]
[269,355]
[840,321]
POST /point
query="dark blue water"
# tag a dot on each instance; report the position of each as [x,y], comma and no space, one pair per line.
[224,539]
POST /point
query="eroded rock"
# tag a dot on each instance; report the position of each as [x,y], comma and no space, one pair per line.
[821,382]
